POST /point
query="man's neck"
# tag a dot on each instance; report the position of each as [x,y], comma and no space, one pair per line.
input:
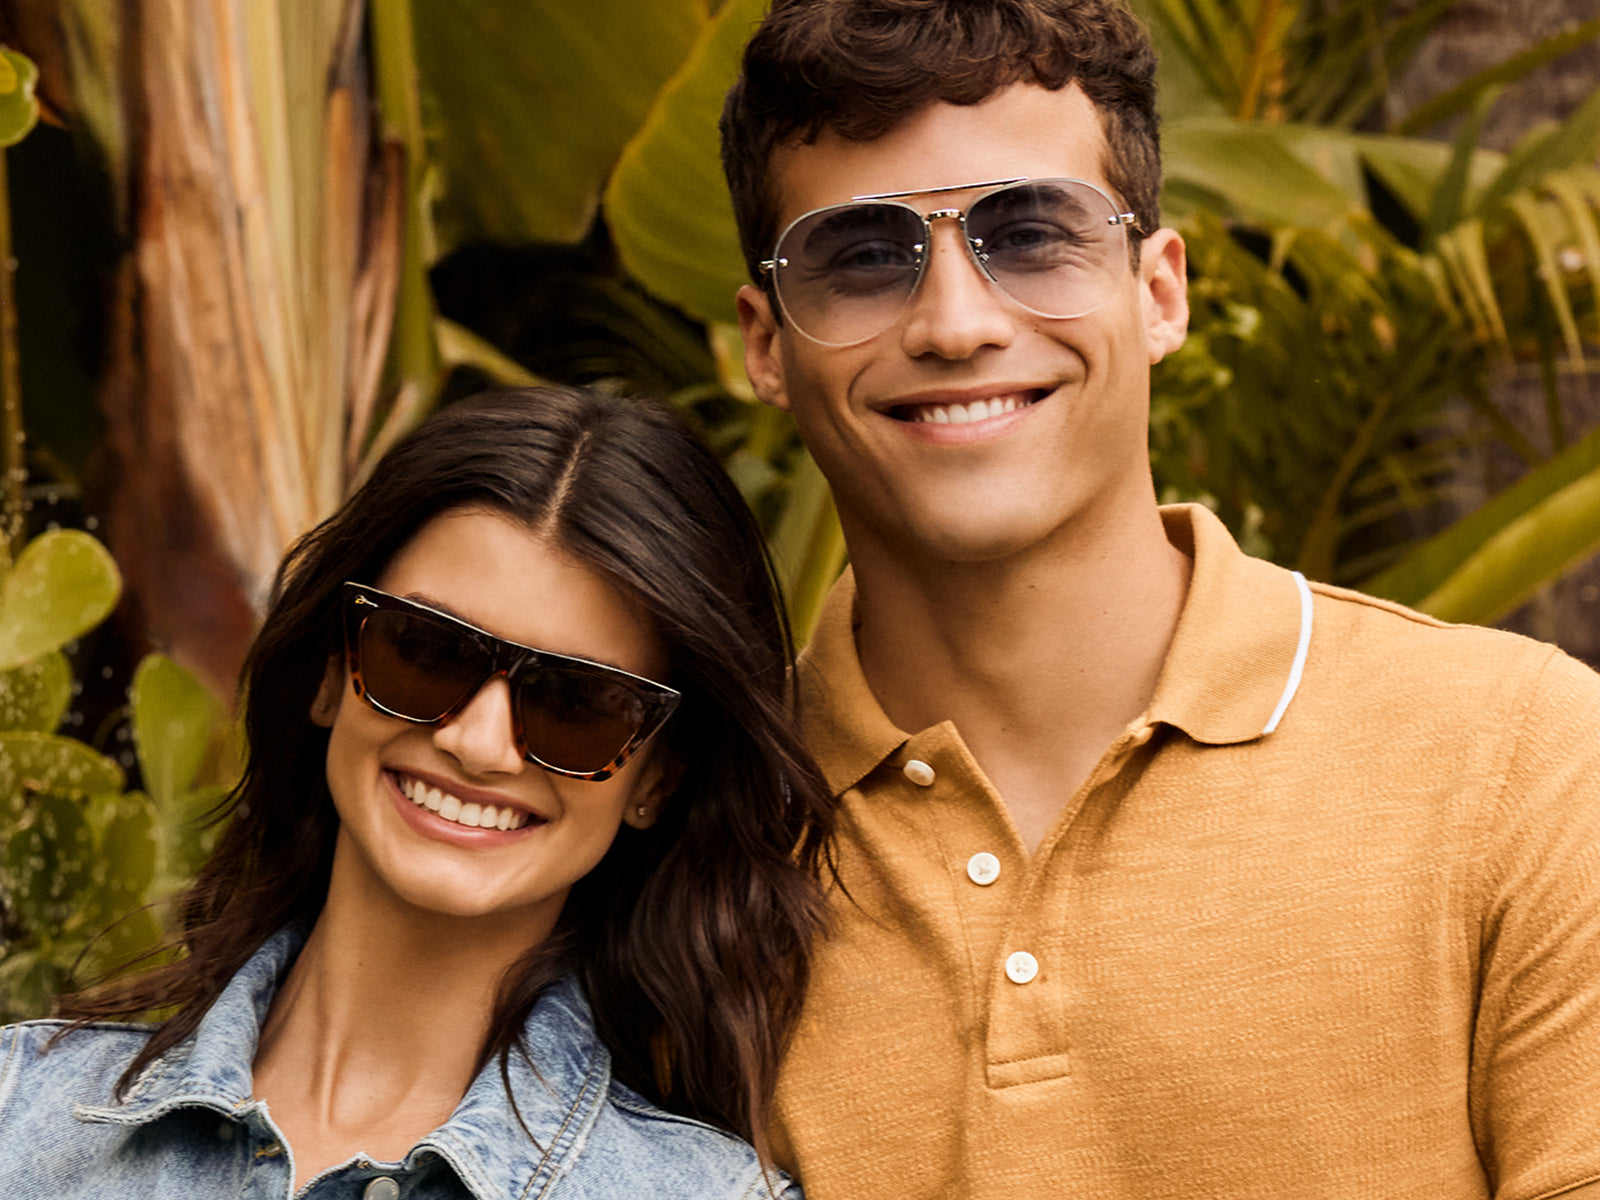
[1041,660]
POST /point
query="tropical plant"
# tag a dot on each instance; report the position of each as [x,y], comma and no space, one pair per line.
[82,859]
[1439,267]
[273,324]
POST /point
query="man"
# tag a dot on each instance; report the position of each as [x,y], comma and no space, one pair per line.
[1165,873]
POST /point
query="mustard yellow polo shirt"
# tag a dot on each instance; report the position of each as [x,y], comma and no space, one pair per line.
[1324,922]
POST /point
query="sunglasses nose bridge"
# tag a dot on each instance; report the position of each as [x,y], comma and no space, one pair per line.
[972,247]
[512,665]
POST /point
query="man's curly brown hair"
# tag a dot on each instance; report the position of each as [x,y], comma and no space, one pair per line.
[860,67]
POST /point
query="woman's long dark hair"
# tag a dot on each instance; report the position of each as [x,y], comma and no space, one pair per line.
[691,938]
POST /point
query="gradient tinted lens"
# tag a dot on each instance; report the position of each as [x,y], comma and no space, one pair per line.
[577,720]
[1055,245]
[845,274]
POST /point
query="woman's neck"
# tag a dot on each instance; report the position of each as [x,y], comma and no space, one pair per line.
[376,1031]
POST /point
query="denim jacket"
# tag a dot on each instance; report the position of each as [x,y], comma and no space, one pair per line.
[189,1129]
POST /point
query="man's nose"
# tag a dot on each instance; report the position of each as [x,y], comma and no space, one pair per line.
[956,309]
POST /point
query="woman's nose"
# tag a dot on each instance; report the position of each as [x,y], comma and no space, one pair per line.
[482,736]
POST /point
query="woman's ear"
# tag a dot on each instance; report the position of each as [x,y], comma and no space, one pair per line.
[658,779]
[325,705]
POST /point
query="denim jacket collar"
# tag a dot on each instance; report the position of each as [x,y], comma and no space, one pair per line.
[558,1101]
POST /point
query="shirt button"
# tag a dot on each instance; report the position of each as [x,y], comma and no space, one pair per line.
[1021,967]
[983,868]
[919,772]
[382,1188]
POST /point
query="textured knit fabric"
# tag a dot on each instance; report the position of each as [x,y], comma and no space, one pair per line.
[1357,956]
[189,1129]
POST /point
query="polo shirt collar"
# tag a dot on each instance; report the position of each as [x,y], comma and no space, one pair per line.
[845,727]
[1231,671]
[1234,664]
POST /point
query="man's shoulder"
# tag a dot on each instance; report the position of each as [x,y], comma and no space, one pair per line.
[1455,698]
[1381,640]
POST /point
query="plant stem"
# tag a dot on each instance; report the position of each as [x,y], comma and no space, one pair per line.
[11,458]
[413,351]
[1266,51]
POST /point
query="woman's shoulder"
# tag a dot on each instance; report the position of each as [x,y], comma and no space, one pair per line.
[689,1157]
[49,1076]
[42,1058]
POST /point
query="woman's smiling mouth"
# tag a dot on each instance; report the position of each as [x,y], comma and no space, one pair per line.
[468,813]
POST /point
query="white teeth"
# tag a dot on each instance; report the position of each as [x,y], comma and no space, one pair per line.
[477,816]
[962,414]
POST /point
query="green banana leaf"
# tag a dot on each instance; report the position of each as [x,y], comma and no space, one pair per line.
[527,104]
[1495,557]
[666,203]
[1253,171]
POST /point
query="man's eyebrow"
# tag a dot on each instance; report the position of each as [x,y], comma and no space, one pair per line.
[851,218]
[1020,198]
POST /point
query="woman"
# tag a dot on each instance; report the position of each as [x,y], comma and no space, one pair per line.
[512,867]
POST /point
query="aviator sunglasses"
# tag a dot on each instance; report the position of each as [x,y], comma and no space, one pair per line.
[570,716]
[845,273]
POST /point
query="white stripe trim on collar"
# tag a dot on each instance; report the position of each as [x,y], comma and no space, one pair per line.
[1300,651]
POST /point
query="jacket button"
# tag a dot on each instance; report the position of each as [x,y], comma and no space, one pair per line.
[919,772]
[382,1188]
[1021,967]
[983,868]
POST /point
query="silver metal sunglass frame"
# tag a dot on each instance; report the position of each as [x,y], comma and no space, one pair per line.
[769,267]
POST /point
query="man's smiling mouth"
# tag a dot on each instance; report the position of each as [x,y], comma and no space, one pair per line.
[473,816]
[965,413]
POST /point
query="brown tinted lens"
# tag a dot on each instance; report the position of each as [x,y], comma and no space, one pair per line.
[577,720]
[417,667]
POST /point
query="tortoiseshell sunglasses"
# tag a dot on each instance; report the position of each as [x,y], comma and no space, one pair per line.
[570,716]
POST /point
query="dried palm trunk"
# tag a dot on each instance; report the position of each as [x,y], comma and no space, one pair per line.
[255,302]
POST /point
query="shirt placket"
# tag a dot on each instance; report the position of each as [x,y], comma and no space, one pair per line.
[1024,904]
